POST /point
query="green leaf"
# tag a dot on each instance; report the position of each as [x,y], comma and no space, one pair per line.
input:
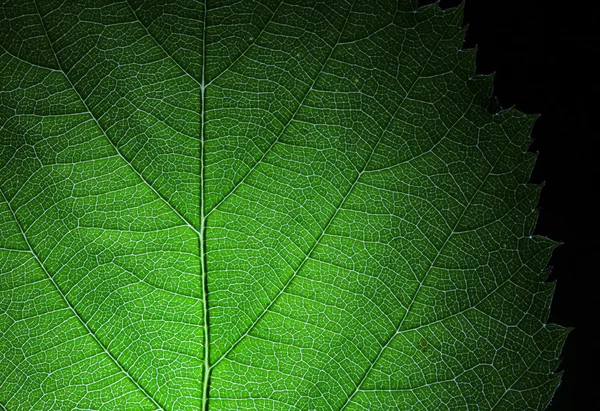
[263,205]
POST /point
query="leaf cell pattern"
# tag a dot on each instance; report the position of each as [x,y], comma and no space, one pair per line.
[263,205]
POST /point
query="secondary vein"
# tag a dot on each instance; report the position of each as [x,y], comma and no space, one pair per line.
[147,30]
[105,133]
[323,231]
[71,307]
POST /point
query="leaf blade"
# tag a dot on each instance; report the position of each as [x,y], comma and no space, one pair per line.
[361,229]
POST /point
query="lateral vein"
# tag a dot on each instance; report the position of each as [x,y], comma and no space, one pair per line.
[118,152]
[72,308]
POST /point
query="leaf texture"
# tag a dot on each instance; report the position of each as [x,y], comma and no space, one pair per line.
[263,205]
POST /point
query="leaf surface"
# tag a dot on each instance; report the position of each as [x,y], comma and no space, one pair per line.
[263,205]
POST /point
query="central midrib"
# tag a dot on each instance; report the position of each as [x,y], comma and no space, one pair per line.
[207,366]
[202,234]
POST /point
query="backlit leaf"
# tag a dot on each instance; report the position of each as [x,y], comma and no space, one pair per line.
[263,205]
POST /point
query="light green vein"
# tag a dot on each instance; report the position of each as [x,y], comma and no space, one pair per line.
[285,127]
[417,291]
[118,152]
[74,311]
[206,368]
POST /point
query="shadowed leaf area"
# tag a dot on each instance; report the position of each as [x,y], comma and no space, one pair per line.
[263,205]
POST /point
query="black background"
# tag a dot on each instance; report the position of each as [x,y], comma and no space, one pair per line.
[537,51]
